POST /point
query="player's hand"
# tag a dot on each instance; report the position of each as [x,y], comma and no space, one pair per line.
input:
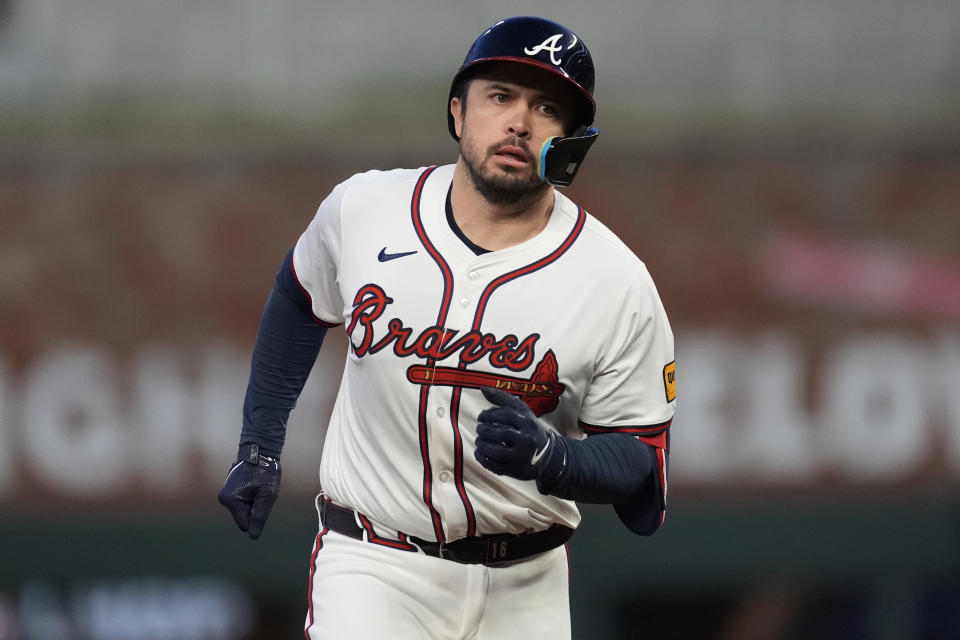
[510,439]
[251,488]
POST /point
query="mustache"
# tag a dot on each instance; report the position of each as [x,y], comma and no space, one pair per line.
[509,142]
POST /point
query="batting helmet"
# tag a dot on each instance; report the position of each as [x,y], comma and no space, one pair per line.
[550,46]
[537,42]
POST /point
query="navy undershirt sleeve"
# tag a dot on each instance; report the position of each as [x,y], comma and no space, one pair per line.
[288,341]
[612,468]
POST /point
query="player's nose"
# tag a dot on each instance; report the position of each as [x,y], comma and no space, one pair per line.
[518,121]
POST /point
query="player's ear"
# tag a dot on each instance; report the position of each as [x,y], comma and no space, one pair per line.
[456,110]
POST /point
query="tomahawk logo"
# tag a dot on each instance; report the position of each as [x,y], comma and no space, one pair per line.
[551,44]
[541,391]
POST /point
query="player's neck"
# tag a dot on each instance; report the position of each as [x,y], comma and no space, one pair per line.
[496,226]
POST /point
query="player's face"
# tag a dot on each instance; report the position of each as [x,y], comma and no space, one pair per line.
[512,110]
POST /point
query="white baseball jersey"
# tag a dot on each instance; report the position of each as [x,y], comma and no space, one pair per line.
[569,320]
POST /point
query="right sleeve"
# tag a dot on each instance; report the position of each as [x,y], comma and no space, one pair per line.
[304,302]
[317,257]
[288,341]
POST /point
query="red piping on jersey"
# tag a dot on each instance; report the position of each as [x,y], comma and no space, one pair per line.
[455,399]
[530,268]
[661,445]
[441,319]
[293,270]
[481,308]
[458,461]
[645,430]
[317,545]
[662,468]
[664,459]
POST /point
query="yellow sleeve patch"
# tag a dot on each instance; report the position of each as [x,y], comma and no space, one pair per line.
[670,381]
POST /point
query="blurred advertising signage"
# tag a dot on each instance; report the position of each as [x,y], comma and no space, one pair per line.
[760,408]
[871,408]
[879,278]
[158,608]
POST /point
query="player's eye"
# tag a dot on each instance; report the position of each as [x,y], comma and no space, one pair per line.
[499,98]
[550,110]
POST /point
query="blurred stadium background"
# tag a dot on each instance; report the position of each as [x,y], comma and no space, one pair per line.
[790,173]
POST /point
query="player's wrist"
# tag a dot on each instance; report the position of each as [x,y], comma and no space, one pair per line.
[553,467]
[254,454]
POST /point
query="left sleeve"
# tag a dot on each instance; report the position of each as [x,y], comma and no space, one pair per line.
[627,471]
[633,391]
[645,512]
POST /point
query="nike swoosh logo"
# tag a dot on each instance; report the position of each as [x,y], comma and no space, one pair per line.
[384,256]
[539,454]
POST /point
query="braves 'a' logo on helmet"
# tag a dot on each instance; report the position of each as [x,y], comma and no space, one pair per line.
[551,44]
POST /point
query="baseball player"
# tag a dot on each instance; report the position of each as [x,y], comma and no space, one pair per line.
[509,357]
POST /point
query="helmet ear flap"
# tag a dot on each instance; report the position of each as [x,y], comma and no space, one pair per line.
[560,158]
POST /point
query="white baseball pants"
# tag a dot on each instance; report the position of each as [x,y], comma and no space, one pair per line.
[361,590]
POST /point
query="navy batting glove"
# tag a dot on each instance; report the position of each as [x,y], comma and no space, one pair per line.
[251,488]
[511,441]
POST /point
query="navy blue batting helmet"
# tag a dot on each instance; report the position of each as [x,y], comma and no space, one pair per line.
[540,43]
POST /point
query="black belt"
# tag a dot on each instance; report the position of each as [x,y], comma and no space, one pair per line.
[493,549]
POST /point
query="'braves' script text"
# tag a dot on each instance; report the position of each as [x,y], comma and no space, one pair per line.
[434,343]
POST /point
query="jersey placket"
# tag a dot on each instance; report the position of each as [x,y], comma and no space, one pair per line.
[446,434]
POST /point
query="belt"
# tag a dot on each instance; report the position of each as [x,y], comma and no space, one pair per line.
[493,549]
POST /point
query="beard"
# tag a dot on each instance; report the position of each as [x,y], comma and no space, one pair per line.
[502,186]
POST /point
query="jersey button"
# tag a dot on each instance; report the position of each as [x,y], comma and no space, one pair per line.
[444,476]
[473,275]
[464,302]
[441,411]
